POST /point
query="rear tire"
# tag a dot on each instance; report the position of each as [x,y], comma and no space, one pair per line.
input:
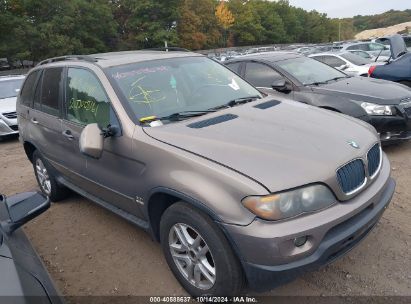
[46,180]
[201,258]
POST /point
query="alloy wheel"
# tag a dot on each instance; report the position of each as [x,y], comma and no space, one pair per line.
[192,256]
[43,176]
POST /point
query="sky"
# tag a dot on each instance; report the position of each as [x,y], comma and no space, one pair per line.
[350,8]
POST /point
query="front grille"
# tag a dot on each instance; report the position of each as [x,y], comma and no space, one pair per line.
[374,159]
[351,176]
[408,111]
[14,128]
[10,115]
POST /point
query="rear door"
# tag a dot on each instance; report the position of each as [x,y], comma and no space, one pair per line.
[25,103]
[44,121]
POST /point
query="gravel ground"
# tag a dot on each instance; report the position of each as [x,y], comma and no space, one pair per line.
[89,251]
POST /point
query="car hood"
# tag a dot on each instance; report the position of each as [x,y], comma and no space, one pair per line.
[8,105]
[365,89]
[282,147]
[397,45]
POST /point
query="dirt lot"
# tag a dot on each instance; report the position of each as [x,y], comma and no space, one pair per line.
[89,251]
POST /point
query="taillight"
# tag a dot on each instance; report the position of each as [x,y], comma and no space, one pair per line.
[371,70]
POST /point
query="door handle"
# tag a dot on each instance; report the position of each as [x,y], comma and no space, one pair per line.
[68,135]
[35,121]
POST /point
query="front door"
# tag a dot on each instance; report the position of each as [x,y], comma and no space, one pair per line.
[112,177]
[262,77]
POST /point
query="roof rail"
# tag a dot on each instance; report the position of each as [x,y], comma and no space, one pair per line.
[68,57]
[168,49]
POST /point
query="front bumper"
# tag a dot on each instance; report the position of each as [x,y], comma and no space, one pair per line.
[6,129]
[269,256]
[395,128]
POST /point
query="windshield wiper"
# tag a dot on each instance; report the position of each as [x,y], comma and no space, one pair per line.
[184,115]
[237,101]
[327,81]
[336,78]
[316,83]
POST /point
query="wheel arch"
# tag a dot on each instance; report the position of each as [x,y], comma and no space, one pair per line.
[29,149]
[161,198]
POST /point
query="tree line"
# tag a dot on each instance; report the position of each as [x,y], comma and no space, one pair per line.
[38,29]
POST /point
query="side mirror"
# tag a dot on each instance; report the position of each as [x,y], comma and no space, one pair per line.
[91,141]
[22,208]
[281,85]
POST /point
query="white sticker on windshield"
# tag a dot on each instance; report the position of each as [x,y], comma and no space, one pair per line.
[234,85]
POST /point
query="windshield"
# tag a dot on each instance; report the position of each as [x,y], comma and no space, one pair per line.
[309,71]
[167,86]
[355,59]
[10,88]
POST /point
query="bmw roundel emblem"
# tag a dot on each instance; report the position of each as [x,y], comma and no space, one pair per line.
[353,144]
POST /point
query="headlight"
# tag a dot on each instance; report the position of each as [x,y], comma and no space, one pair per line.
[374,109]
[291,203]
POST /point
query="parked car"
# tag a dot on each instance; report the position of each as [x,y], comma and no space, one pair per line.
[383,104]
[4,64]
[181,146]
[347,62]
[9,89]
[399,68]
[23,277]
[378,50]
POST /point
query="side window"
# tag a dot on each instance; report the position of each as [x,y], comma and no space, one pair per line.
[318,58]
[333,61]
[235,67]
[260,75]
[27,93]
[37,93]
[86,100]
[364,47]
[376,47]
[51,90]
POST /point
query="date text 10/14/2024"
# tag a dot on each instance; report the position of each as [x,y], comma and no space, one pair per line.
[204,299]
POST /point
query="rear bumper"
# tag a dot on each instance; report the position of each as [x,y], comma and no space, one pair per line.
[337,242]
[267,250]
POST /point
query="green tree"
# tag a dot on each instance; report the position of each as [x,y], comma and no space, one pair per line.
[146,23]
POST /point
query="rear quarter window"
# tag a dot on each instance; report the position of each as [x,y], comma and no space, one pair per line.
[27,93]
[235,67]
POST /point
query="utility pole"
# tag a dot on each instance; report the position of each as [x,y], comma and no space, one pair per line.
[339,29]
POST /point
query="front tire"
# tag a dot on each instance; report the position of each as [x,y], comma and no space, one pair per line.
[198,253]
[46,180]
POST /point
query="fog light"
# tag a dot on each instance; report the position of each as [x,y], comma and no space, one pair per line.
[300,241]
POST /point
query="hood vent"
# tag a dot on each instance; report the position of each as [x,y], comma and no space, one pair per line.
[267,104]
[212,121]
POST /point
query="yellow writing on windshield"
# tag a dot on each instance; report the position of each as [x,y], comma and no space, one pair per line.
[86,105]
[139,94]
